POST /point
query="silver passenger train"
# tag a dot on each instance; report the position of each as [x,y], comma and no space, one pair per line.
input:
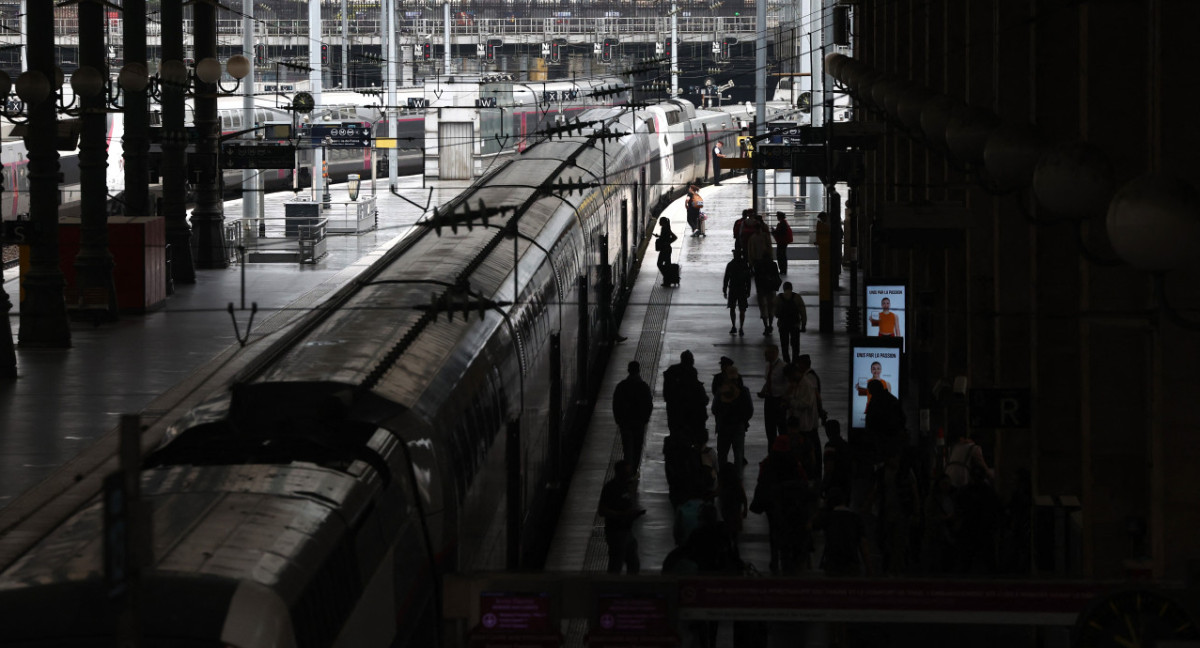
[528,107]
[370,448]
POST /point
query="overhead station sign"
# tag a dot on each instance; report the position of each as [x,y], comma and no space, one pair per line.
[257,156]
[338,135]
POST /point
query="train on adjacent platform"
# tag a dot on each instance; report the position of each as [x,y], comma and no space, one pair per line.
[407,428]
[524,108]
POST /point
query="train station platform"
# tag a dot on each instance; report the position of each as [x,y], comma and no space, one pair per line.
[659,324]
[64,400]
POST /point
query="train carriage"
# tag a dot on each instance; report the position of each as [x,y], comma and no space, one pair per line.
[378,442]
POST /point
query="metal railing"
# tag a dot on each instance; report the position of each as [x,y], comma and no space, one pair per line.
[312,241]
[351,216]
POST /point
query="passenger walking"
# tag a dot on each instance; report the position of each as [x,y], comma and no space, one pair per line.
[736,288]
[965,455]
[631,406]
[781,492]
[731,496]
[665,239]
[766,282]
[885,421]
[694,205]
[846,552]
[759,245]
[618,507]
[805,405]
[743,228]
[782,234]
[732,410]
[719,378]
[772,393]
[895,493]
[837,460]
[687,403]
[938,542]
[792,317]
[978,510]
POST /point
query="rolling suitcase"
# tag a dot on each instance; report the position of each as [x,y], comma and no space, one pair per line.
[671,274]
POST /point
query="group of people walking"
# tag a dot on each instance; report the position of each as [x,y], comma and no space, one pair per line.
[858,497]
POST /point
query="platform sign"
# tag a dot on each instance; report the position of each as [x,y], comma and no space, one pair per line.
[872,360]
[516,620]
[887,308]
[515,612]
[643,614]
[1000,408]
[17,232]
[257,156]
[339,135]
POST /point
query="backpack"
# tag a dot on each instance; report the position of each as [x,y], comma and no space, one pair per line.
[959,472]
[788,310]
[783,234]
[769,275]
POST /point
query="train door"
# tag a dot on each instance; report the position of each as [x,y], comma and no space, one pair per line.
[624,244]
[704,152]
[455,146]
[645,200]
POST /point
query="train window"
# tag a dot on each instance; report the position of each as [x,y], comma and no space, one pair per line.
[237,119]
[650,126]
[226,121]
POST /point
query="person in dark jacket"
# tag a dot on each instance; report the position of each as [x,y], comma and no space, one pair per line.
[885,421]
[666,238]
[632,405]
[687,402]
[780,476]
[732,410]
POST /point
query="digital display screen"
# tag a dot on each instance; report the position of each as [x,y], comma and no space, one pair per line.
[886,310]
[872,360]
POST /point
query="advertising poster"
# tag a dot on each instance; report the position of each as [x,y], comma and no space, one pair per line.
[886,309]
[872,360]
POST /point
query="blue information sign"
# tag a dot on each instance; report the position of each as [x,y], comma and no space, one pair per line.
[339,135]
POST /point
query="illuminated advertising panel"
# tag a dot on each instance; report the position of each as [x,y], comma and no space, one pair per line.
[872,360]
[887,309]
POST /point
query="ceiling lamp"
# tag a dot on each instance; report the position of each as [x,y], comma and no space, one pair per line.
[1074,179]
[1154,223]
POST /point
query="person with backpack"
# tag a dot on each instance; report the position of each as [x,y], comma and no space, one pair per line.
[736,288]
[895,493]
[783,238]
[792,318]
[732,409]
[694,205]
[766,282]
[618,507]
[687,402]
[837,459]
[782,494]
[743,229]
[964,455]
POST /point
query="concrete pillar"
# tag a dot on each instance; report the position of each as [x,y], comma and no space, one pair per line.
[136,143]
[43,310]
[174,151]
[208,218]
[94,262]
